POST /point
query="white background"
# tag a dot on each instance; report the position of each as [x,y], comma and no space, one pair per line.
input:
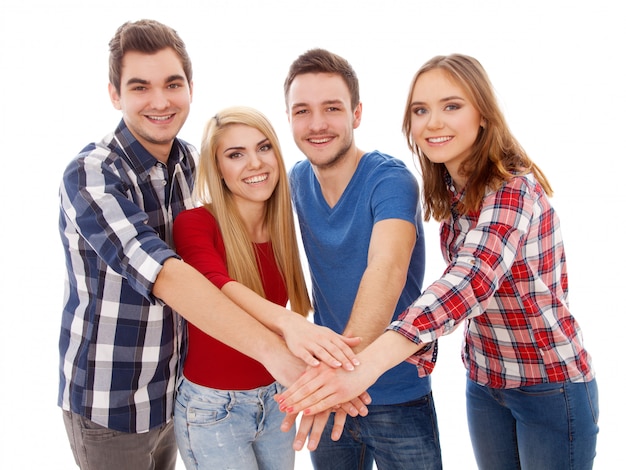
[557,67]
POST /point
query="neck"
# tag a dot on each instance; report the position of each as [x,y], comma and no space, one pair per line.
[253,216]
[333,180]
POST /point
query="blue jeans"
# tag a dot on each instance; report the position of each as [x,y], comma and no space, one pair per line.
[550,426]
[397,437]
[220,429]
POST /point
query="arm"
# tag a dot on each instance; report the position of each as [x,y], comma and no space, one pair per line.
[306,340]
[389,255]
[322,388]
[199,242]
[200,302]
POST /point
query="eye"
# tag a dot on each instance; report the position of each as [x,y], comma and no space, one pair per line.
[452,107]
[234,155]
[265,147]
[419,111]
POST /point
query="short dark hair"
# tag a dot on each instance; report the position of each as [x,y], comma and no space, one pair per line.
[149,37]
[323,61]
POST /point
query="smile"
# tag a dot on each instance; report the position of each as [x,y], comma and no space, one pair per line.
[161,118]
[256,179]
[320,141]
[439,140]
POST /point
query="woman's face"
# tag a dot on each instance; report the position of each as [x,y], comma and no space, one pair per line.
[247,164]
[444,122]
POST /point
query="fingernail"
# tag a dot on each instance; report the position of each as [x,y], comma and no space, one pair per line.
[290,409]
[356,362]
[307,412]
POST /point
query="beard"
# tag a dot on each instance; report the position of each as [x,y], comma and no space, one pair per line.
[337,158]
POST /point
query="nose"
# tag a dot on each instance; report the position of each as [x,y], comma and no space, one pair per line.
[317,122]
[159,99]
[435,120]
[254,161]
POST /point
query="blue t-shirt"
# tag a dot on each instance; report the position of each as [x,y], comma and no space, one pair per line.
[336,241]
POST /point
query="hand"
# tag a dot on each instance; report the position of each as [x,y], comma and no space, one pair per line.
[322,388]
[312,427]
[313,343]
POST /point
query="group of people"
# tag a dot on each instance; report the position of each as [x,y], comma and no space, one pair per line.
[184,326]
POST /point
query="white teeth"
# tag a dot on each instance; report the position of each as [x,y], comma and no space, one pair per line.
[438,140]
[160,118]
[256,179]
[319,141]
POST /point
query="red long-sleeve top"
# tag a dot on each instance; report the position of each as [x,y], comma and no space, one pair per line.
[209,362]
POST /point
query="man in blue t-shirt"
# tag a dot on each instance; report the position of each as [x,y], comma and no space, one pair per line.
[361,228]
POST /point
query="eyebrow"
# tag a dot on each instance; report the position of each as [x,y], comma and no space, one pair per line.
[242,147]
[325,103]
[142,81]
[442,100]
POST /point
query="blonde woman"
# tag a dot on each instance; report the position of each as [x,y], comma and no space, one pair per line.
[243,240]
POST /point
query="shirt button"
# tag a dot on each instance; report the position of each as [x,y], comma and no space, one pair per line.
[164,183]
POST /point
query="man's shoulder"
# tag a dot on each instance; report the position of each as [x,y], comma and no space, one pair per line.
[378,166]
[378,158]
[300,167]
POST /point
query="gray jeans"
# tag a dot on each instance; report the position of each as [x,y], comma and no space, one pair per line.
[98,448]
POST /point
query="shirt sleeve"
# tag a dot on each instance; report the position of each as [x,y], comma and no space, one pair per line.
[481,261]
[395,195]
[97,202]
[199,242]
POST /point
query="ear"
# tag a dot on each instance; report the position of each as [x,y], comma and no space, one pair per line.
[357,115]
[191,91]
[483,123]
[115,97]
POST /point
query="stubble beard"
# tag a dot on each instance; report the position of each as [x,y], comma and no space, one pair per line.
[335,159]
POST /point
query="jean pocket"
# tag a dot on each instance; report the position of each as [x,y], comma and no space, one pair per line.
[546,389]
[204,414]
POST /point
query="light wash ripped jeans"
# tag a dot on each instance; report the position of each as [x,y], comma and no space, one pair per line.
[221,429]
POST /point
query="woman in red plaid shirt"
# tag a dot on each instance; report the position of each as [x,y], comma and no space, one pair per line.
[532,398]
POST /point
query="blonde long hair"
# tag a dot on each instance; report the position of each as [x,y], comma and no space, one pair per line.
[213,193]
[496,155]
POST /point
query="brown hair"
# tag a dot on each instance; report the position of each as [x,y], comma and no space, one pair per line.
[146,36]
[217,198]
[323,61]
[496,155]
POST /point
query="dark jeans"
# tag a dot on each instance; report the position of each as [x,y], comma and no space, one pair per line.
[397,437]
[550,426]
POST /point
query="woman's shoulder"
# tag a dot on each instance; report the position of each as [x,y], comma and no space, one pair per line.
[197,215]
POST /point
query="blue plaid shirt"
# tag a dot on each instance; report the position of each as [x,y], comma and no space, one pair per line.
[119,345]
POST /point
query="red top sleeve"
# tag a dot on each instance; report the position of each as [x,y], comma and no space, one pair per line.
[209,362]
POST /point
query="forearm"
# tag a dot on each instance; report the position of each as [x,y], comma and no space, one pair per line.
[375,303]
[387,351]
[273,316]
[388,258]
[200,302]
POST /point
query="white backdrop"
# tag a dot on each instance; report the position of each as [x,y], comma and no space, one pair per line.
[555,64]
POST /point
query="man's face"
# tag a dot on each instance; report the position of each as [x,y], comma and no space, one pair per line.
[154,98]
[321,117]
